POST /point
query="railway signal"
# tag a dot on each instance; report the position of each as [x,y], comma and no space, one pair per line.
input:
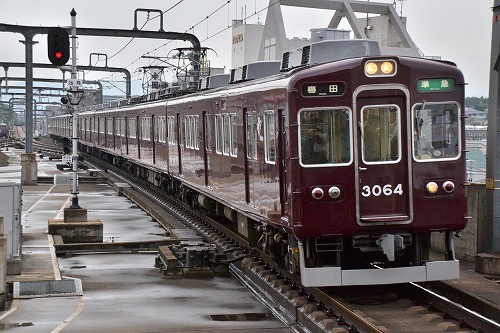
[58,46]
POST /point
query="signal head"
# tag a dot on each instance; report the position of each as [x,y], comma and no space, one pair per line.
[58,46]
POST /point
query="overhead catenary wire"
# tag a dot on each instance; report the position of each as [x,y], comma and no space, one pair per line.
[229,26]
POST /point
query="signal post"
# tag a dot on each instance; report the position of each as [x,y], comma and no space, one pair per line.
[75,227]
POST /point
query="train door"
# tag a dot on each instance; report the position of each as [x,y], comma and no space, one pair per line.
[207,143]
[153,136]
[383,165]
[180,141]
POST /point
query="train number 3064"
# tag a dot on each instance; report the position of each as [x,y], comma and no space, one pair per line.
[378,190]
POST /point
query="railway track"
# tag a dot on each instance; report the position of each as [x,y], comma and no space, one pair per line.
[401,308]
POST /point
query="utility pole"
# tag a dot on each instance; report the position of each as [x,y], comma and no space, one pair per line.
[488,259]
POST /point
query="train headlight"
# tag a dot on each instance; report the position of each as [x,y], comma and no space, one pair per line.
[371,68]
[334,192]
[387,67]
[380,68]
[448,186]
[431,187]
[317,193]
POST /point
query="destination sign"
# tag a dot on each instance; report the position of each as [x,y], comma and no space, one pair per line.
[323,89]
[436,85]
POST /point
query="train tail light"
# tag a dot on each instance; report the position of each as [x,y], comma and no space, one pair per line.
[431,187]
[378,68]
[317,193]
[448,186]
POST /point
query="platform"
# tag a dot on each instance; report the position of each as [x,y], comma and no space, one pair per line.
[122,291]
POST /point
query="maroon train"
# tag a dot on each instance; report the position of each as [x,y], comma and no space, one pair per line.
[340,170]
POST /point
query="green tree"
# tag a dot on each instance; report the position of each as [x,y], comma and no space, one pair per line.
[477,103]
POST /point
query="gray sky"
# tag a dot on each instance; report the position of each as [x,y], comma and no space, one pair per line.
[456,30]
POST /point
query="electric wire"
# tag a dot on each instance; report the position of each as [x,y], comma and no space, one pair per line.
[192,28]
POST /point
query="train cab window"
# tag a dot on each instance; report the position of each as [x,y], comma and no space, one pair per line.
[270,137]
[436,131]
[325,137]
[381,134]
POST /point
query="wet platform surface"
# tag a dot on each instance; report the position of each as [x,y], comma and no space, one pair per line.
[122,292]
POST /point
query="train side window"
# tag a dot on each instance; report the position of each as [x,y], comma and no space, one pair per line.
[436,131]
[101,125]
[251,133]
[132,127]
[187,131]
[233,149]
[146,128]
[109,126]
[381,135]
[171,130]
[226,134]
[325,137]
[160,128]
[269,137]
[218,133]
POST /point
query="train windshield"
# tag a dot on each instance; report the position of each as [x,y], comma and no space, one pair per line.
[436,131]
[325,137]
[381,135]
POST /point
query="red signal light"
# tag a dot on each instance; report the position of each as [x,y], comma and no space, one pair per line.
[58,46]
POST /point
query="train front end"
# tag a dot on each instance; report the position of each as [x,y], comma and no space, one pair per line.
[379,168]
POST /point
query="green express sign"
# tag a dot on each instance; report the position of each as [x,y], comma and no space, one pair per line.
[435,85]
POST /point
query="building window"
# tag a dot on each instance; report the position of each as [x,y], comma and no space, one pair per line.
[270,48]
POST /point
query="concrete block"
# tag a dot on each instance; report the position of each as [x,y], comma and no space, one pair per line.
[62,179]
[29,169]
[14,265]
[488,263]
[89,231]
[72,215]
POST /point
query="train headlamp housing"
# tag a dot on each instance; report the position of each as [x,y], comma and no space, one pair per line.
[380,68]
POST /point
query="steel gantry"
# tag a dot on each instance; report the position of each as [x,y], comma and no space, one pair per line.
[30,31]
